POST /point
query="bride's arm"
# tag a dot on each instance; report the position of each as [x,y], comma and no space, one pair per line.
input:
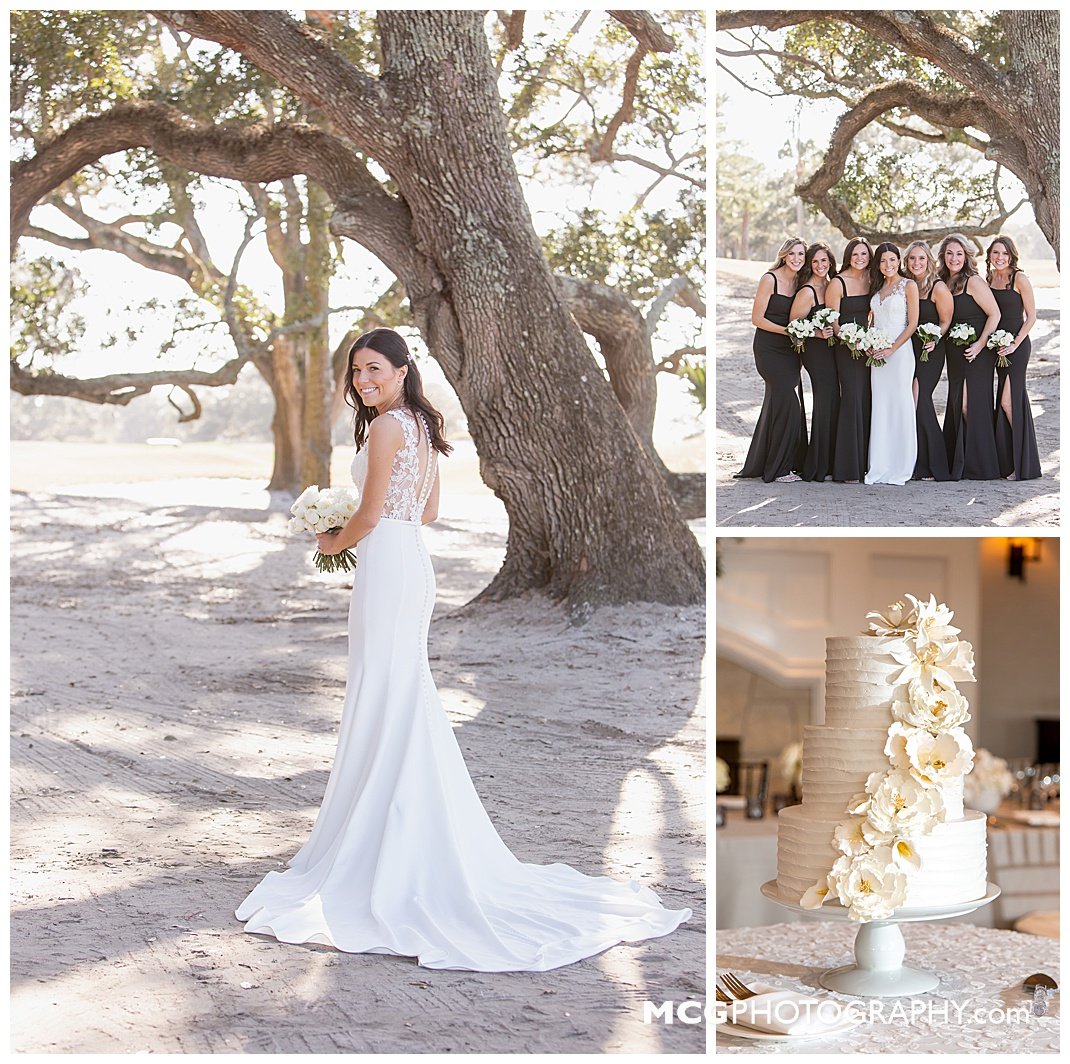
[385,439]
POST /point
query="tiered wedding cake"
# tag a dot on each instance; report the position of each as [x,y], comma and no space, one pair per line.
[881,823]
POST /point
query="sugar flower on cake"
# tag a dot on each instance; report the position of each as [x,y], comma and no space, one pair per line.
[936,709]
[936,664]
[931,759]
[933,622]
[898,805]
[848,837]
[896,619]
[870,885]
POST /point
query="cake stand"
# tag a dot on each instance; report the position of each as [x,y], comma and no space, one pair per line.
[879,946]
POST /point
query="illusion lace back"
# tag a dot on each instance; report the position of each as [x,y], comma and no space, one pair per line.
[893,435]
[403,858]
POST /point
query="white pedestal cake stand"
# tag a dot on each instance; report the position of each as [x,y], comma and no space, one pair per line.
[879,946]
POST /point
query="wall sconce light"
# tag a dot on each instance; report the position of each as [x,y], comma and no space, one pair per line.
[1020,551]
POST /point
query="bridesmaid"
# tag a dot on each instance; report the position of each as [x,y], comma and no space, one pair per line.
[936,307]
[1016,440]
[969,422]
[778,446]
[820,361]
[848,293]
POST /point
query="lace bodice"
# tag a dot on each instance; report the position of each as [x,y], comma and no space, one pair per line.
[890,314]
[407,493]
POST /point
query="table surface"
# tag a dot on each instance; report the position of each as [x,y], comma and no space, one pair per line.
[979,1006]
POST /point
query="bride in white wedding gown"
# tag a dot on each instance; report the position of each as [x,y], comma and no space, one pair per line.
[403,858]
[893,433]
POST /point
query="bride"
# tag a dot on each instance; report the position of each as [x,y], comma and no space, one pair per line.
[893,438]
[403,858]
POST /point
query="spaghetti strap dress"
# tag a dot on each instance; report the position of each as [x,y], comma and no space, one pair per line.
[1016,440]
[778,446]
[819,359]
[932,454]
[851,453]
[970,440]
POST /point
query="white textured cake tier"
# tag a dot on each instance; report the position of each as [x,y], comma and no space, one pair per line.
[858,692]
[838,761]
[954,857]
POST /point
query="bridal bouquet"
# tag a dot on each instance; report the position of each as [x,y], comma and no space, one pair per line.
[800,330]
[997,341]
[962,334]
[929,334]
[325,511]
[825,318]
[870,341]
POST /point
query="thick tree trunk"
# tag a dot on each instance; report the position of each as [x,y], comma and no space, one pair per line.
[286,425]
[589,517]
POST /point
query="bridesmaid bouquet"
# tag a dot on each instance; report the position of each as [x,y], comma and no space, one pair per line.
[800,330]
[825,318]
[929,334]
[997,341]
[874,340]
[325,511]
[852,334]
[962,334]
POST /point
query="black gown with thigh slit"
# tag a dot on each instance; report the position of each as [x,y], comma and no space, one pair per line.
[970,440]
[932,454]
[1016,440]
[778,446]
[819,359]
[851,453]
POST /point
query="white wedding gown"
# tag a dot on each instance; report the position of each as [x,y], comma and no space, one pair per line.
[403,858]
[893,432]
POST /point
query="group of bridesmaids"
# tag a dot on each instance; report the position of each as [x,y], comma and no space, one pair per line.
[987,432]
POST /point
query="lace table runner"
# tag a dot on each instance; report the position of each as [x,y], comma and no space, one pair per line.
[979,1006]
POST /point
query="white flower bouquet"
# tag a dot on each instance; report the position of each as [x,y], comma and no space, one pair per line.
[873,340]
[929,334]
[325,510]
[800,330]
[851,334]
[825,318]
[998,341]
[962,334]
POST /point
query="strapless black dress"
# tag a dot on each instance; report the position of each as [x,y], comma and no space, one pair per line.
[1016,440]
[778,446]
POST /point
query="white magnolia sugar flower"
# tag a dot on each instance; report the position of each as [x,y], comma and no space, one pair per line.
[934,623]
[870,885]
[937,663]
[901,806]
[895,619]
[931,759]
[935,710]
[848,837]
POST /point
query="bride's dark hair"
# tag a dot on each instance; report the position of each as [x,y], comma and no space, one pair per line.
[393,348]
[876,278]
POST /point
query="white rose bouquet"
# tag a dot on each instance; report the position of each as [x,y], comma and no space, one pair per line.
[962,334]
[325,511]
[873,340]
[800,330]
[997,341]
[930,334]
[825,318]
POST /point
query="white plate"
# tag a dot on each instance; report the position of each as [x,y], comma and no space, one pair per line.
[739,1031]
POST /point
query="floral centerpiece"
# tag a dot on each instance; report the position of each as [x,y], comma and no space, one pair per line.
[989,783]
[790,765]
[723,775]
[926,748]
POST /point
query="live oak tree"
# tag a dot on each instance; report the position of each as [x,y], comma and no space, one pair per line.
[590,519]
[988,81]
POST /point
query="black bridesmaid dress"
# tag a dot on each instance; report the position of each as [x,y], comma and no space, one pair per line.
[932,454]
[851,452]
[778,446]
[1016,441]
[970,441]
[820,362]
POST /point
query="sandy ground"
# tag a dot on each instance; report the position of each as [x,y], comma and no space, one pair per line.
[738,398]
[178,667]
